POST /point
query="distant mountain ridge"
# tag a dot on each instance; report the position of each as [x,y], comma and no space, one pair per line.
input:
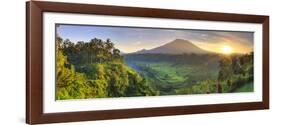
[177,46]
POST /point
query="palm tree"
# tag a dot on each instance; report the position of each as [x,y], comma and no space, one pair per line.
[108,49]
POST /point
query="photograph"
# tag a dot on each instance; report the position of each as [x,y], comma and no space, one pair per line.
[88,61]
[94,61]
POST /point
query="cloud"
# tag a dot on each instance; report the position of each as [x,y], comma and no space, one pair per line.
[133,39]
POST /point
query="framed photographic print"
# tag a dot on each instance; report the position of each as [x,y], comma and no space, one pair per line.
[95,62]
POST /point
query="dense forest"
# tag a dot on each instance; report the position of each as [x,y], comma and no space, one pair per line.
[235,74]
[195,73]
[96,69]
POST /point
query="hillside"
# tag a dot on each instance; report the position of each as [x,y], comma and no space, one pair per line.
[177,46]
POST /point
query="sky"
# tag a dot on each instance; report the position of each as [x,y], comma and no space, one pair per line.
[131,39]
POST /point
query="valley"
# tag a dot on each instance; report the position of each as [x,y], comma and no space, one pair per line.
[115,61]
[167,74]
[98,70]
[180,67]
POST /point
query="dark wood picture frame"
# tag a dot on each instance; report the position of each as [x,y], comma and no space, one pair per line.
[34,61]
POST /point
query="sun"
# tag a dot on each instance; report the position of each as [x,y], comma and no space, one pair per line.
[226,49]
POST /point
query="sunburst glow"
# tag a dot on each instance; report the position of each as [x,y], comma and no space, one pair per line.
[226,49]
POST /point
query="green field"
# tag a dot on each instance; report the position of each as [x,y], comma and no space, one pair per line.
[166,72]
[193,74]
[101,71]
[167,77]
[248,87]
[161,63]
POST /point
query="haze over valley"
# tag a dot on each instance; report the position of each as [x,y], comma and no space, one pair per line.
[106,62]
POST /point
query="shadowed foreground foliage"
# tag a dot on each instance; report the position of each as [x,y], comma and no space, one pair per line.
[195,73]
[94,70]
[235,75]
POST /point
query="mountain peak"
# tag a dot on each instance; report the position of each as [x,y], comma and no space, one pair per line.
[177,46]
[180,42]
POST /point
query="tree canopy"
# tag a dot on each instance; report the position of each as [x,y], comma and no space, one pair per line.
[95,69]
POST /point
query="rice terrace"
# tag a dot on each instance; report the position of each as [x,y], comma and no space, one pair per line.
[107,62]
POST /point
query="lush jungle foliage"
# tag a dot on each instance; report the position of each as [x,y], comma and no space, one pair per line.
[235,75]
[95,69]
[195,73]
[168,73]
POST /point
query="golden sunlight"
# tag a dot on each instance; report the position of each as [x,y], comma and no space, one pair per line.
[226,49]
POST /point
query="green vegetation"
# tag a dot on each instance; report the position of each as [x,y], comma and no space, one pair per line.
[235,75]
[95,69]
[195,74]
[245,88]
[170,73]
